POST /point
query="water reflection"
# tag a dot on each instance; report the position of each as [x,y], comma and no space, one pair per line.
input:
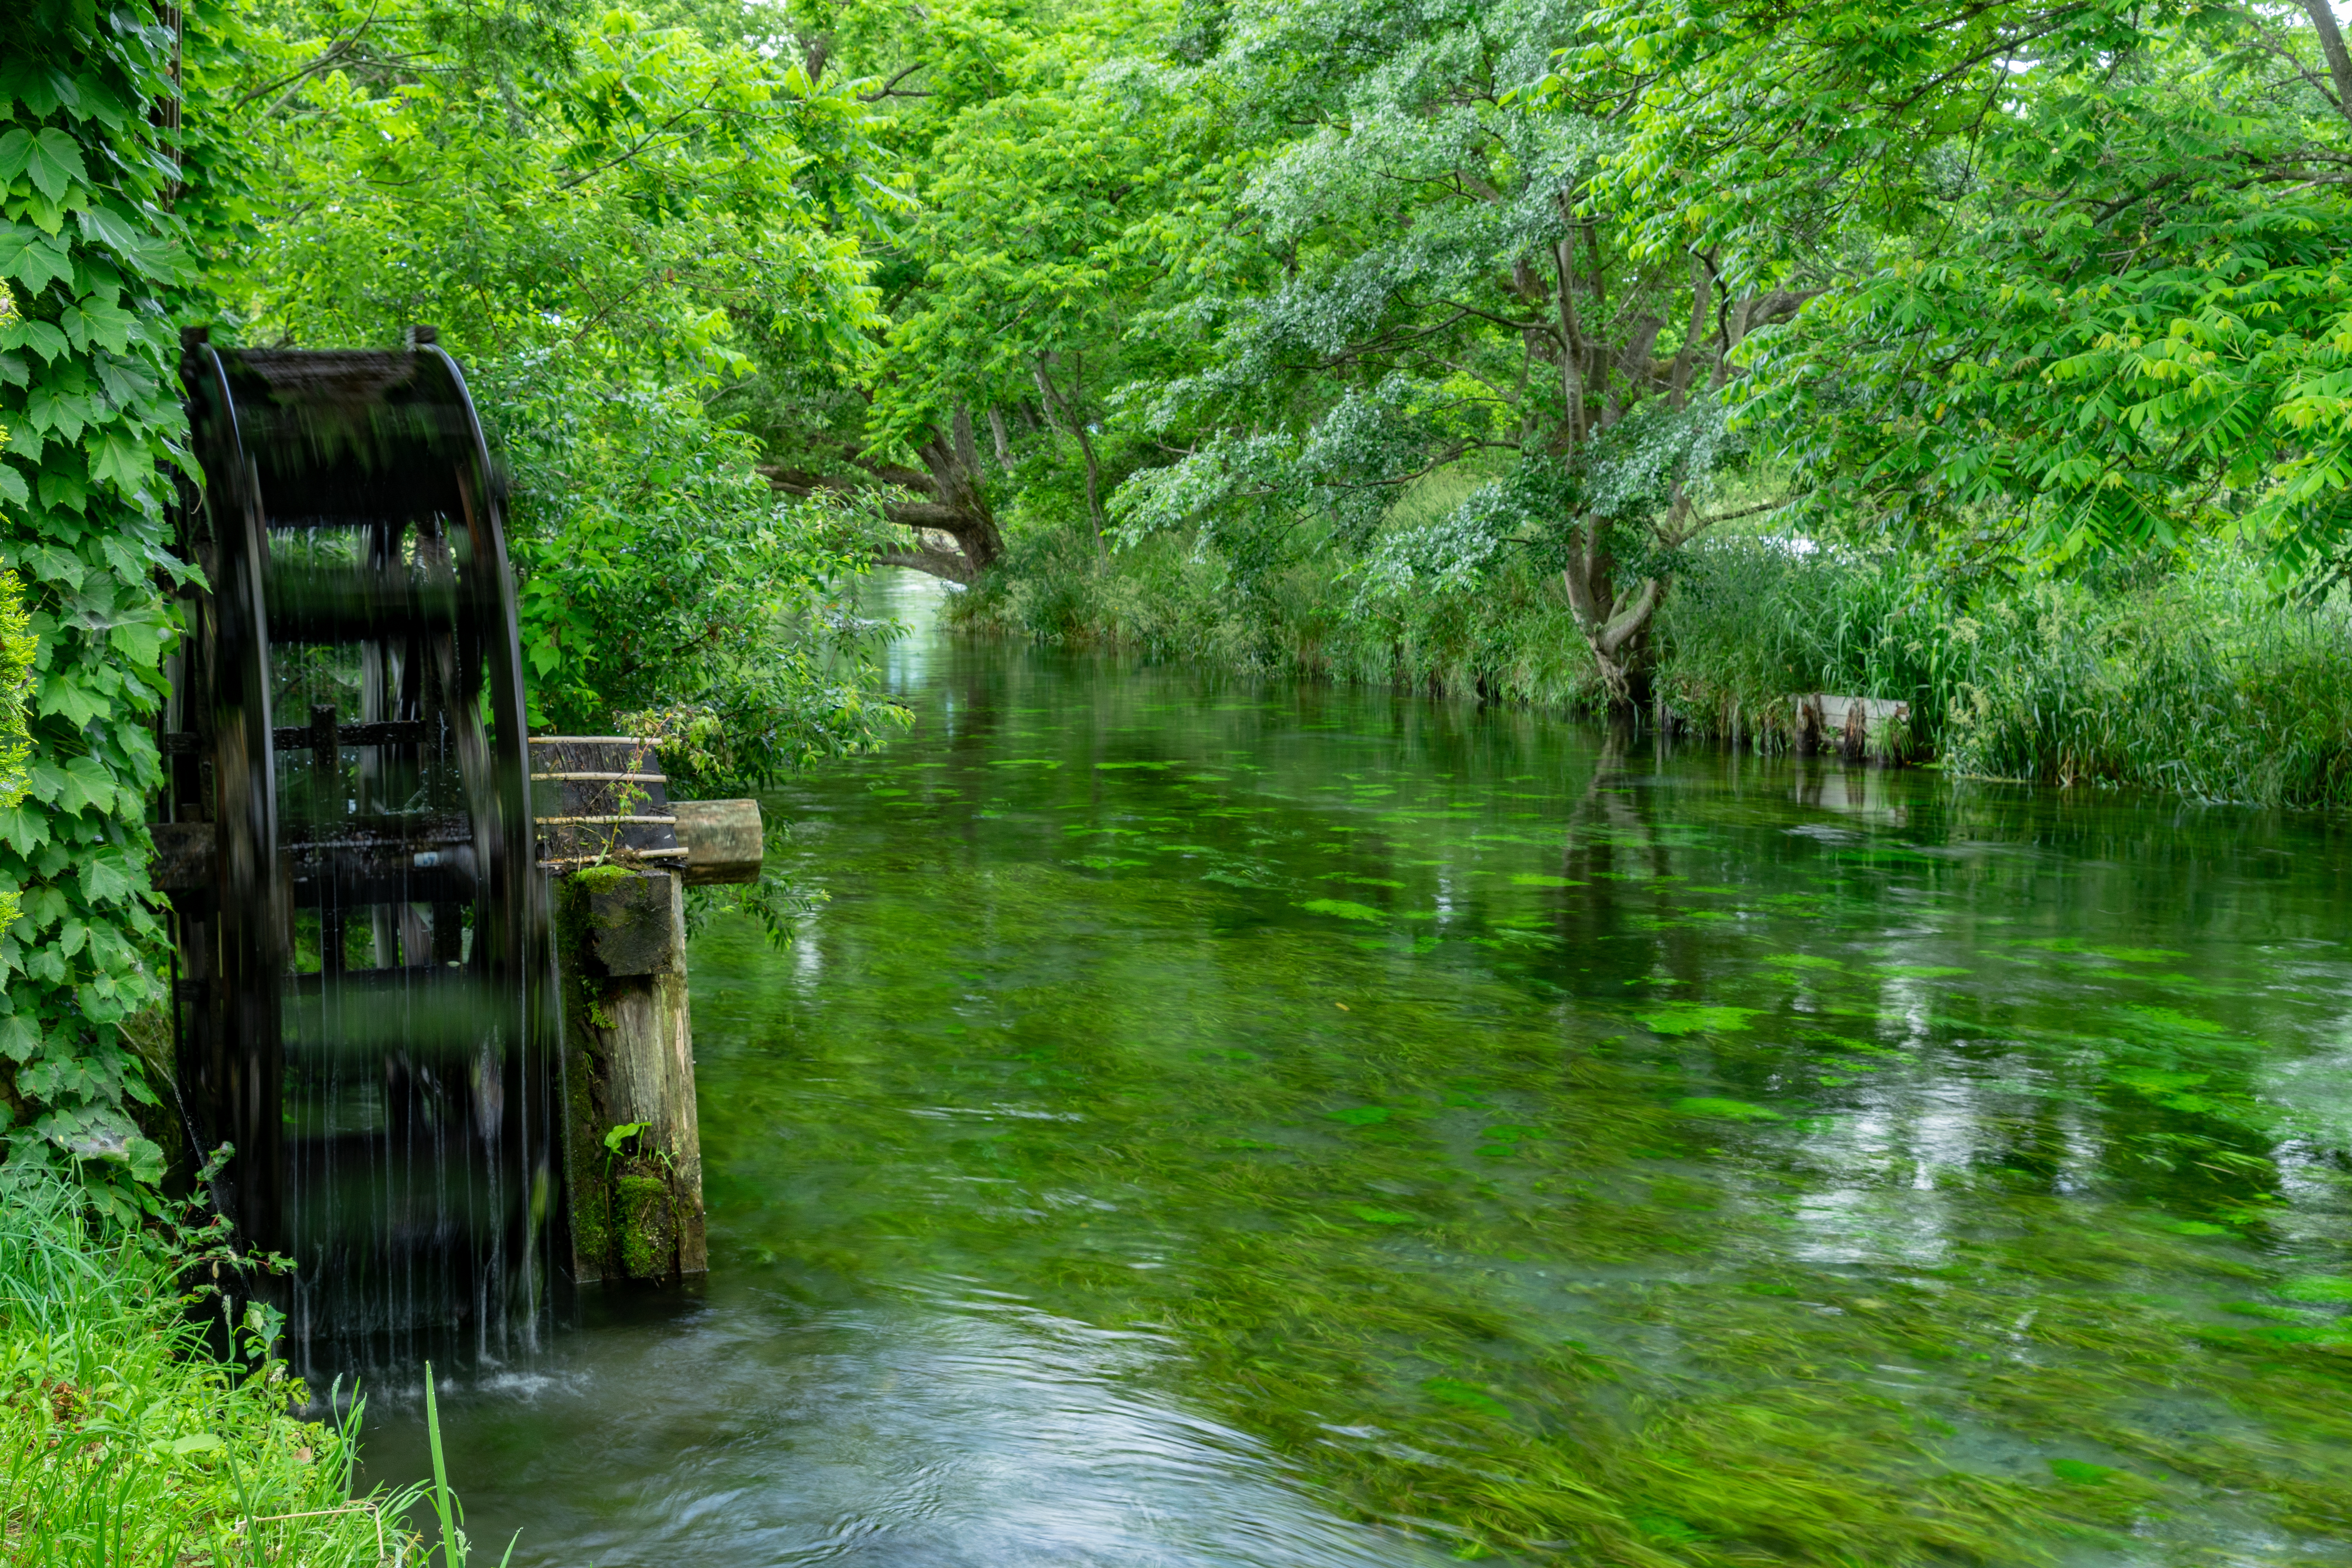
[1241,1125]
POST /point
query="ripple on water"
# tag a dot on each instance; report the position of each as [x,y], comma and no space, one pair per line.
[947,1427]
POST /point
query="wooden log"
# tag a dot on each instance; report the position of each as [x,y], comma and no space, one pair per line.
[633,1155]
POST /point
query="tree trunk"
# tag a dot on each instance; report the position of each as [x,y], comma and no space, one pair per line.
[959,506]
[1617,634]
[1056,403]
[952,491]
[2331,45]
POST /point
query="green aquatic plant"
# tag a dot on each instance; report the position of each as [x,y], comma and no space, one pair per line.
[1726,1109]
[1694,1018]
[1484,1254]
[1342,908]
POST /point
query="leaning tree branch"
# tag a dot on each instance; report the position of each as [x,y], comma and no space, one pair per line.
[2331,44]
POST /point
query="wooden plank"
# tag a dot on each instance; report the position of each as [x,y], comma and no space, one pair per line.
[724,840]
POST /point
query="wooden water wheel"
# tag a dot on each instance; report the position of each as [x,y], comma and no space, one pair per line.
[364,1006]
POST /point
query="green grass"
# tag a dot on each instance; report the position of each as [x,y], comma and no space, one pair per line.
[2190,676]
[124,1441]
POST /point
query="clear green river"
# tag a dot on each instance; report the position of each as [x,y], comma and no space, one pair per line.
[1230,1123]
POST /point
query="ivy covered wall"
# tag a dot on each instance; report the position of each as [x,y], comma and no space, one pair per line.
[90,398]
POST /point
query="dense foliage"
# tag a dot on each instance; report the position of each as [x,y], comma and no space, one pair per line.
[605,218]
[2016,286]
[117,1444]
[2105,296]
[91,403]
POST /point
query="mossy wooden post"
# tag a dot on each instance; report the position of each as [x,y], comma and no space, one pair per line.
[635,1153]
[622,855]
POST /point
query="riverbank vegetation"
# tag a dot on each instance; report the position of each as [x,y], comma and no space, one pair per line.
[121,1442]
[1504,349]
[2189,675]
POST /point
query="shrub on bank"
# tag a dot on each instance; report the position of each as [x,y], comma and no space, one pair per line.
[124,1441]
[2196,678]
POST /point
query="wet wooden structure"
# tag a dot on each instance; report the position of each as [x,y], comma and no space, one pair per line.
[363,1008]
[622,853]
[366,1004]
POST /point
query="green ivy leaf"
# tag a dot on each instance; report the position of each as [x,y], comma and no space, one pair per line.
[44,781]
[18,1038]
[128,463]
[33,260]
[102,225]
[97,322]
[42,337]
[146,1165]
[141,641]
[69,701]
[48,564]
[53,162]
[47,409]
[40,88]
[105,881]
[23,831]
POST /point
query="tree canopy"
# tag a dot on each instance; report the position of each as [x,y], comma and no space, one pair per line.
[609,218]
[1252,274]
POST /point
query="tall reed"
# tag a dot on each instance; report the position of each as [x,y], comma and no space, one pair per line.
[2192,676]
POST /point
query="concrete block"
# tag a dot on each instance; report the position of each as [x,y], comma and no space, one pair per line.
[722,839]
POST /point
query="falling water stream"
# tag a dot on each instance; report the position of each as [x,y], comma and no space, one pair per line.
[1215,1123]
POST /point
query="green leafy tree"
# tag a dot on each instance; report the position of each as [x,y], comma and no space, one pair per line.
[1005,275]
[609,220]
[1439,291]
[91,403]
[1031,193]
[2103,291]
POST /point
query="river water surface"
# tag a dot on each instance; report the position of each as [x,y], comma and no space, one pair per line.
[1230,1125]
